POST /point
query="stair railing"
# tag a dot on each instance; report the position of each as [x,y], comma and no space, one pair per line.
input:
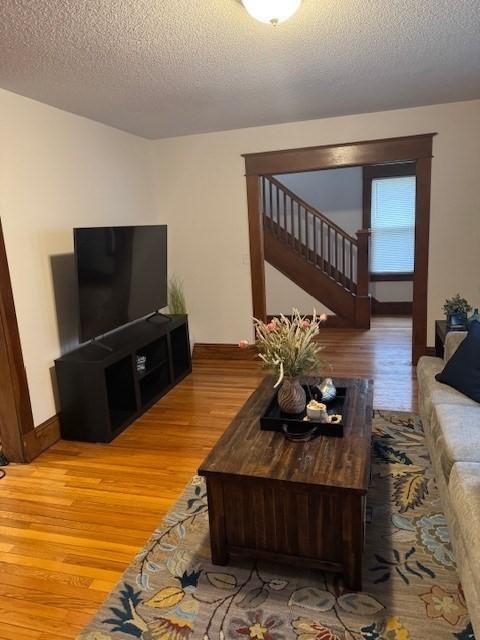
[310,233]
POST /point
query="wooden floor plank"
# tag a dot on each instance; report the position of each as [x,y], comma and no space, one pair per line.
[63,512]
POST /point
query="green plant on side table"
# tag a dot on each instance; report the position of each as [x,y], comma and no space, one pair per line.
[456,309]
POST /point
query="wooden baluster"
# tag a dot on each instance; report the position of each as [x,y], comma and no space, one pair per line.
[292,223]
[305,239]
[343,262]
[278,211]
[352,281]
[302,243]
[271,204]
[264,204]
[315,240]
[336,255]
[307,236]
[299,223]
[322,248]
[329,248]
[285,217]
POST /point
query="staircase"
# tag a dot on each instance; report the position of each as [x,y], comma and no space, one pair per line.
[316,254]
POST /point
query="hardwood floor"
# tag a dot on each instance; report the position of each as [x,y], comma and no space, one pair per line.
[71,521]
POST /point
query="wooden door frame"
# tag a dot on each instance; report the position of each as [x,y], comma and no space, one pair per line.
[417,148]
[16,420]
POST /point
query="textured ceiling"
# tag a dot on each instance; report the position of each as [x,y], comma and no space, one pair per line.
[162,68]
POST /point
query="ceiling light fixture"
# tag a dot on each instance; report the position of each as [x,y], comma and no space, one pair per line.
[271,11]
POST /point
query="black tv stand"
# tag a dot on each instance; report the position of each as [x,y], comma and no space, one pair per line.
[104,390]
[102,345]
[158,314]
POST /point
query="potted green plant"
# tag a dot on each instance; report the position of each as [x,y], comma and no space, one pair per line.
[176,297]
[289,349]
[456,309]
[177,304]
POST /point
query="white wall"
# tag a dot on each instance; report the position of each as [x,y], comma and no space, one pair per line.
[283,295]
[392,291]
[201,188]
[338,193]
[59,171]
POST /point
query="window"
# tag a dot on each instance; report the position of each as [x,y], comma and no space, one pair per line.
[393,225]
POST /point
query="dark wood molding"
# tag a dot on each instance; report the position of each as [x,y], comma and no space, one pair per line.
[391,170]
[416,148]
[349,154]
[206,351]
[391,277]
[255,225]
[422,243]
[332,321]
[16,420]
[391,308]
[42,437]
[230,351]
[366,201]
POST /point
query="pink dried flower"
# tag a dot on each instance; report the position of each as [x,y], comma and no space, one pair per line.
[271,326]
[243,344]
[323,317]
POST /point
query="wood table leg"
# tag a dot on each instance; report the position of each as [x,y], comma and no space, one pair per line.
[216,516]
[353,538]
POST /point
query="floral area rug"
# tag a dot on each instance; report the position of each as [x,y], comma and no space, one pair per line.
[411,590]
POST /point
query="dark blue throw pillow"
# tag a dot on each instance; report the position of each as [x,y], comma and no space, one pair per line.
[462,371]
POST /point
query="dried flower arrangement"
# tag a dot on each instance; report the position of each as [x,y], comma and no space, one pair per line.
[287,346]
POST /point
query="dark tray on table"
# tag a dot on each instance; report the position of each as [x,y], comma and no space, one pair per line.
[295,427]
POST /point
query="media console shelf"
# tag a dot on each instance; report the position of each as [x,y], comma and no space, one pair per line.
[103,390]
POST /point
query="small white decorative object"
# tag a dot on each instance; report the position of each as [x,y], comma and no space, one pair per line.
[327,389]
[317,411]
[336,418]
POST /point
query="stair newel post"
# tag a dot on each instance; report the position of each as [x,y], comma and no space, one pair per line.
[363,299]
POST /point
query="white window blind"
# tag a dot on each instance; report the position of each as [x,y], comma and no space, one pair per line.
[393,225]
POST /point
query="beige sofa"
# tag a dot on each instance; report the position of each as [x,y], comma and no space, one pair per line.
[452,429]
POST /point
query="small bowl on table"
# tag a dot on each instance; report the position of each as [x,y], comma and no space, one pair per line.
[317,411]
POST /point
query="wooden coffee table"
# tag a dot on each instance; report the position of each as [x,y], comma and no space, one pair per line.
[302,503]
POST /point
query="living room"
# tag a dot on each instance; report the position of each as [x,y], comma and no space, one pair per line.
[163,114]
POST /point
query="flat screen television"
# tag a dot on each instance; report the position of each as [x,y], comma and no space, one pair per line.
[122,275]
